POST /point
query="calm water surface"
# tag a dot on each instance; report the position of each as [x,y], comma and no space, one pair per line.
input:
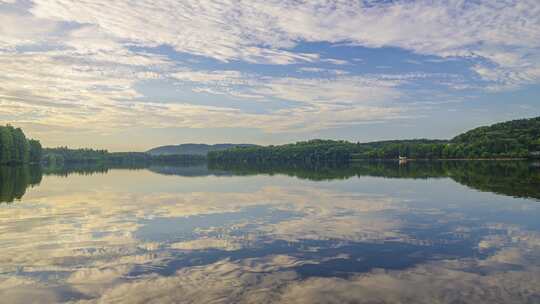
[464,232]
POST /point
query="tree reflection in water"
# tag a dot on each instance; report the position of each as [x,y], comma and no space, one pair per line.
[511,178]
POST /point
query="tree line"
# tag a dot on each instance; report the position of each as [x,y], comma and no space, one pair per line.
[65,156]
[513,139]
[15,148]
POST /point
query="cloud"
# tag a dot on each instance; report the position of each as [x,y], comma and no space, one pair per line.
[335,89]
[210,28]
[335,61]
[207,243]
[262,31]
[79,89]
[320,70]
[87,84]
[23,29]
[65,90]
[346,89]
[81,65]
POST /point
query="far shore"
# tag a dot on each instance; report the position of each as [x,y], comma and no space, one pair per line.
[442,159]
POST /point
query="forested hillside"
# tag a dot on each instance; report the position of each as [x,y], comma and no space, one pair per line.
[15,148]
[512,139]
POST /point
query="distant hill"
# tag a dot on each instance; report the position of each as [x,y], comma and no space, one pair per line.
[193,149]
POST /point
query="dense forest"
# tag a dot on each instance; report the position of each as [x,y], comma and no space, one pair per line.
[64,155]
[512,139]
[15,148]
[516,138]
[313,151]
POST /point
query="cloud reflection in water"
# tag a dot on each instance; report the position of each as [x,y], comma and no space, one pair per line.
[136,237]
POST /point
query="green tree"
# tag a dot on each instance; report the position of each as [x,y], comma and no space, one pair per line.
[36,151]
[21,147]
[15,148]
[6,143]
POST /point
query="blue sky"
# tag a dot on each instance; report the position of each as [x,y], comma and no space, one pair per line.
[130,75]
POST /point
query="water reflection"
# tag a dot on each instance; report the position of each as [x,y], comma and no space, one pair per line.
[15,180]
[372,233]
[513,178]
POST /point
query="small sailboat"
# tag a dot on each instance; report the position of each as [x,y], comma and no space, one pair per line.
[403,160]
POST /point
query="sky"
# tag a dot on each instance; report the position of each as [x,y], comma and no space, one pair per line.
[129,75]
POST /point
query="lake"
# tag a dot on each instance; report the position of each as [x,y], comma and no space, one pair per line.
[374,232]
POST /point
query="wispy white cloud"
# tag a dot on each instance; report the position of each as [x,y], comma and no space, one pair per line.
[220,30]
[322,70]
[72,63]
[24,29]
[337,88]
[262,31]
[335,61]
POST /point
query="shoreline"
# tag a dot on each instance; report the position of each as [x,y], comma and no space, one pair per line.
[443,159]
